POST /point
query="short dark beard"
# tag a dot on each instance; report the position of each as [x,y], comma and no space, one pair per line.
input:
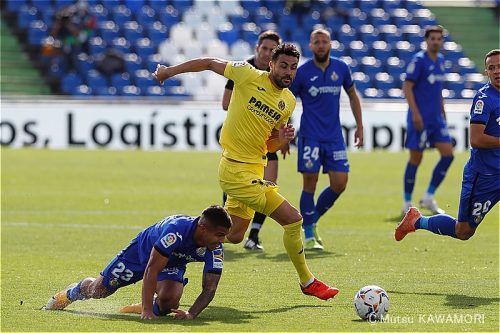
[323,59]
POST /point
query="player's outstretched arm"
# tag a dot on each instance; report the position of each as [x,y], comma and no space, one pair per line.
[216,65]
[210,283]
[156,264]
[479,139]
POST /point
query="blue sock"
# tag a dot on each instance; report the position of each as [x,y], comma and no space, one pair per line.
[157,311]
[325,201]
[308,211]
[441,224]
[439,173]
[74,293]
[409,180]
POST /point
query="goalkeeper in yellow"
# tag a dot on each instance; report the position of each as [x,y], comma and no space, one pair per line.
[256,123]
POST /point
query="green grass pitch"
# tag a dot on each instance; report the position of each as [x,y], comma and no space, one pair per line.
[65,214]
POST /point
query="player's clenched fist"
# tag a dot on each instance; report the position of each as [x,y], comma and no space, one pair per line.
[161,73]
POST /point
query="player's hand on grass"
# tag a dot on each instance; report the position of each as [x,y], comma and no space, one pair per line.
[182,315]
[161,73]
[148,315]
[418,123]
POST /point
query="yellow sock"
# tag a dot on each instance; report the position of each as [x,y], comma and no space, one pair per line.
[292,240]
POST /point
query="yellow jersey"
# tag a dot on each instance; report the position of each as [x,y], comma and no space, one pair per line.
[255,109]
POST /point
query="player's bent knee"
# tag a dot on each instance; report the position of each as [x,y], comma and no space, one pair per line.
[235,238]
[463,231]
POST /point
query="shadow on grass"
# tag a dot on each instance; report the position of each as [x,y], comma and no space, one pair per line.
[283,256]
[394,219]
[456,301]
[210,315]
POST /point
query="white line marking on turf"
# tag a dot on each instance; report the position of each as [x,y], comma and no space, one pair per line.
[81,212]
[69,225]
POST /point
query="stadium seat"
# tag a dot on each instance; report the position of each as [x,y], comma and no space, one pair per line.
[227,34]
[384,81]
[159,5]
[168,15]
[382,51]
[334,22]
[192,49]
[395,93]
[155,91]
[14,6]
[371,66]
[69,82]
[181,5]
[132,62]
[395,67]
[143,79]
[129,91]
[192,18]
[167,50]
[288,22]
[467,93]
[145,16]
[310,20]
[121,44]
[361,80]
[157,32]
[82,90]
[413,5]
[96,80]
[251,5]
[204,33]
[448,94]
[37,32]
[180,33]
[108,31]
[144,48]
[401,17]
[106,91]
[48,16]
[338,49]
[358,49]
[373,93]
[368,34]
[368,5]
[216,17]
[390,5]
[100,13]
[250,32]
[110,4]
[176,92]
[378,17]
[120,80]
[231,7]
[134,5]
[121,14]
[404,50]
[59,4]
[217,48]
[240,50]
[357,18]
[346,34]
[132,31]
[153,61]
[84,63]
[26,15]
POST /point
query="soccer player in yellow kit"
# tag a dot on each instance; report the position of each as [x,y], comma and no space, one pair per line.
[256,123]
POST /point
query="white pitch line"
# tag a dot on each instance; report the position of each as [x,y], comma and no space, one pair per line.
[81,212]
[69,225]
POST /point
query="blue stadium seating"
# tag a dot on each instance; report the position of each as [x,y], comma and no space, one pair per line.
[359,30]
[69,82]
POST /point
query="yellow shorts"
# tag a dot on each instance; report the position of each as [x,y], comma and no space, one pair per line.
[246,189]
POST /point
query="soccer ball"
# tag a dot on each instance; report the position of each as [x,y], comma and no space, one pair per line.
[371,303]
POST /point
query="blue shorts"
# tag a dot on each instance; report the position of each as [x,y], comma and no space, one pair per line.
[431,134]
[126,269]
[480,193]
[313,154]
